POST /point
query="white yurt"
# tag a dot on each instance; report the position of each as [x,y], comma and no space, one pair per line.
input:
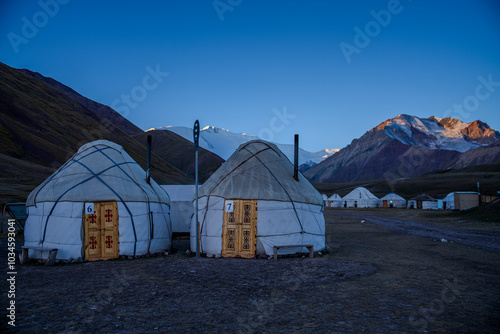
[392,200]
[423,201]
[181,211]
[98,206]
[325,200]
[360,198]
[252,203]
[335,201]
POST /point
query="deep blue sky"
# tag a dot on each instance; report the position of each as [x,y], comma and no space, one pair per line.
[237,68]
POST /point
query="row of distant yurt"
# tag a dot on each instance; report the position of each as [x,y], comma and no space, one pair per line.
[99,206]
[358,198]
[362,198]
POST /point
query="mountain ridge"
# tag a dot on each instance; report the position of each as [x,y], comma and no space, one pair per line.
[224,142]
[42,127]
[407,146]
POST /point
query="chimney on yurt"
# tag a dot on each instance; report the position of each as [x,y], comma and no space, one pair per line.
[148,161]
[296,158]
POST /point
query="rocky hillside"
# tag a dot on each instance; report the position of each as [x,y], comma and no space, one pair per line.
[407,146]
[42,126]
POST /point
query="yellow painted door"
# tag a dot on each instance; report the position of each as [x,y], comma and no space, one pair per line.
[101,232]
[239,228]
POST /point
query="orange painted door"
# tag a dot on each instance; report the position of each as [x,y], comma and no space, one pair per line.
[101,232]
[239,228]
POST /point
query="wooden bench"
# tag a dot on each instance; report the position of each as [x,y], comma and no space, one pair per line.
[309,247]
[50,260]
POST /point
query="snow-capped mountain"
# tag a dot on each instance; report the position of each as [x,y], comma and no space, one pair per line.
[224,142]
[406,146]
[439,133]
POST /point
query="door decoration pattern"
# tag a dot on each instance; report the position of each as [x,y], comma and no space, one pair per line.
[101,232]
[239,228]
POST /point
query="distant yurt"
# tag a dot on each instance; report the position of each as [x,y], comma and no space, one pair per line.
[423,201]
[98,206]
[325,200]
[392,200]
[252,203]
[360,198]
[181,210]
[335,201]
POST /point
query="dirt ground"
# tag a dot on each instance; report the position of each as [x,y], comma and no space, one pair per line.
[376,278]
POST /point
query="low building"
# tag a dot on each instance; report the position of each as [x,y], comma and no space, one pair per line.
[181,211]
[461,200]
[424,202]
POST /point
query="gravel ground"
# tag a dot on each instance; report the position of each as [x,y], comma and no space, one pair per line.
[486,240]
[373,279]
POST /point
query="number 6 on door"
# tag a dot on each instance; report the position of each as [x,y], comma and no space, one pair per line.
[89,208]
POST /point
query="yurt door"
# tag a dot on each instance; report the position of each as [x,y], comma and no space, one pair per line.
[101,231]
[239,228]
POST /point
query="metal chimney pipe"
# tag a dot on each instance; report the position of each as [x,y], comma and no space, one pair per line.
[148,161]
[296,158]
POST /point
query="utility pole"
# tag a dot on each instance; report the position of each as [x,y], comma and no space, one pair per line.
[479,195]
[196,139]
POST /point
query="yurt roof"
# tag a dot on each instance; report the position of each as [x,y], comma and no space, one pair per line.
[358,193]
[393,197]
[259,170]
[335,197]
[99,171]
[423,197]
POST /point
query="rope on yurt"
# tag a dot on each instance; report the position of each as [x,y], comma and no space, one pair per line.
[274,176]
[148,206]
[94,175]
[222,179]
[169,226]
[286,192]
[64,166]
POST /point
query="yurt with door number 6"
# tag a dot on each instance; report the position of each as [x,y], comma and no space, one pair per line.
[97,206]
[252,203]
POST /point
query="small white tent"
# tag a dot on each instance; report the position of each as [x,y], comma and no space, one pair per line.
[423,201]
[335,201]
[98,206]
[325,199]
[392,200]
[181,211]
[252,203]
[360,198]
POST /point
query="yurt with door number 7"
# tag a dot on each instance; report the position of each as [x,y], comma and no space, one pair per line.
[252,203]
[97,206]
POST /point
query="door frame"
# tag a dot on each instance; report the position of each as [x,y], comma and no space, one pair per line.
[239,228]
[105,218]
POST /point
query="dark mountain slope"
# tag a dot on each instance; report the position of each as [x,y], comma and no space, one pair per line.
[45,127]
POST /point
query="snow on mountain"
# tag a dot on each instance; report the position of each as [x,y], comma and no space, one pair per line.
[406,146]
[224,142]
[438,133]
